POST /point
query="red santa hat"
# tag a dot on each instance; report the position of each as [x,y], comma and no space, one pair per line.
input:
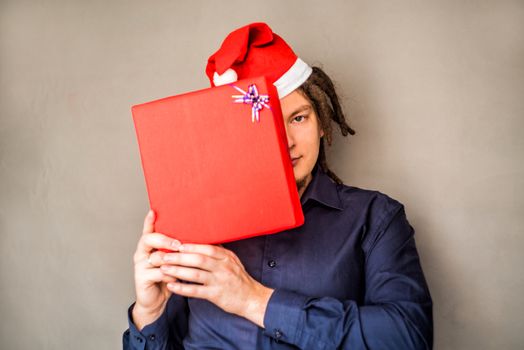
[252,51]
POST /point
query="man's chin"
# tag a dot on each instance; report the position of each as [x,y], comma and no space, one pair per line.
[301,183]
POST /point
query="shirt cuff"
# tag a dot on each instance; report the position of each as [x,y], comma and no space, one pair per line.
[153,334]
[282,320]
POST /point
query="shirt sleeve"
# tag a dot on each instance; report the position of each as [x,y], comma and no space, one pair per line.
[397,311]
[166,333]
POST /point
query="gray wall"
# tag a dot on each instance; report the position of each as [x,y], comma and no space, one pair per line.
[434,90]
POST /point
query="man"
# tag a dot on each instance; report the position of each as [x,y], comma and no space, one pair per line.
[349,278]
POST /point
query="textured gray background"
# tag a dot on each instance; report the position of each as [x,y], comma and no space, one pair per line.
[434,89]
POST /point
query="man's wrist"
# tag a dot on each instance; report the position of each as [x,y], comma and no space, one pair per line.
[257,305]
[141,317]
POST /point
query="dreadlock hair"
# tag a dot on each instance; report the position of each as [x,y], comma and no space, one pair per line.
[320,91]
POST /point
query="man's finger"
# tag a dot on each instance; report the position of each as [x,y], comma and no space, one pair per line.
[205,249]
[151,275]
[189,290]
[200,261]
[186,273]
[160,241]
[155,259]
[149,222]
[154,240]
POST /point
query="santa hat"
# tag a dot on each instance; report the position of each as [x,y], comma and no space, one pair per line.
[252,51]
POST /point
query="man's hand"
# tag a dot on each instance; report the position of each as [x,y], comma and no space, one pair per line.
[150,283]
[220,277]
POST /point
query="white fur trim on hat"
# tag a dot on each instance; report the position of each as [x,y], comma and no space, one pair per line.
[293,78]
[229,76]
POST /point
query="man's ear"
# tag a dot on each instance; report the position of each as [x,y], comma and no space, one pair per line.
[321,132]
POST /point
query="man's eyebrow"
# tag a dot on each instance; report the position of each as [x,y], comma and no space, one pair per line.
[300,109]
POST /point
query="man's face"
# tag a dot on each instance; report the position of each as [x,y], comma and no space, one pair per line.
[303,136]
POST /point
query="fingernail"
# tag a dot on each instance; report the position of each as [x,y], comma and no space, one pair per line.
[150,214]
[175,244]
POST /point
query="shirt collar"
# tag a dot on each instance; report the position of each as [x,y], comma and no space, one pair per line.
[322,189]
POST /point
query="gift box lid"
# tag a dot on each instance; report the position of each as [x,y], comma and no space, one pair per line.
[216,163]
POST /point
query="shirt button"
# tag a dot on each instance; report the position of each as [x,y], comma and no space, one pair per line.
[278,334]
[139,339]
[152,337]
[271,263]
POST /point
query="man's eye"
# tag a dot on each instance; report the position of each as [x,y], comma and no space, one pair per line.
[299,118]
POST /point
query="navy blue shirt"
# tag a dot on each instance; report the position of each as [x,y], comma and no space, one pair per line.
[349,278]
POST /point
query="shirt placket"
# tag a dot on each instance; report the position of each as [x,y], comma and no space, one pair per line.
[271,269]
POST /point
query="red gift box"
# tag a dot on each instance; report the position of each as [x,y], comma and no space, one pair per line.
[216,163]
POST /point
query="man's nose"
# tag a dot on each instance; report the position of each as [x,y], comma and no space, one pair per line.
[290,140]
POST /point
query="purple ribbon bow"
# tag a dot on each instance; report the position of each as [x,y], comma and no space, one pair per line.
[253,98]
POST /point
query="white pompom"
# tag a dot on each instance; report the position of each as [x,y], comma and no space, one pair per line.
[229,76]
